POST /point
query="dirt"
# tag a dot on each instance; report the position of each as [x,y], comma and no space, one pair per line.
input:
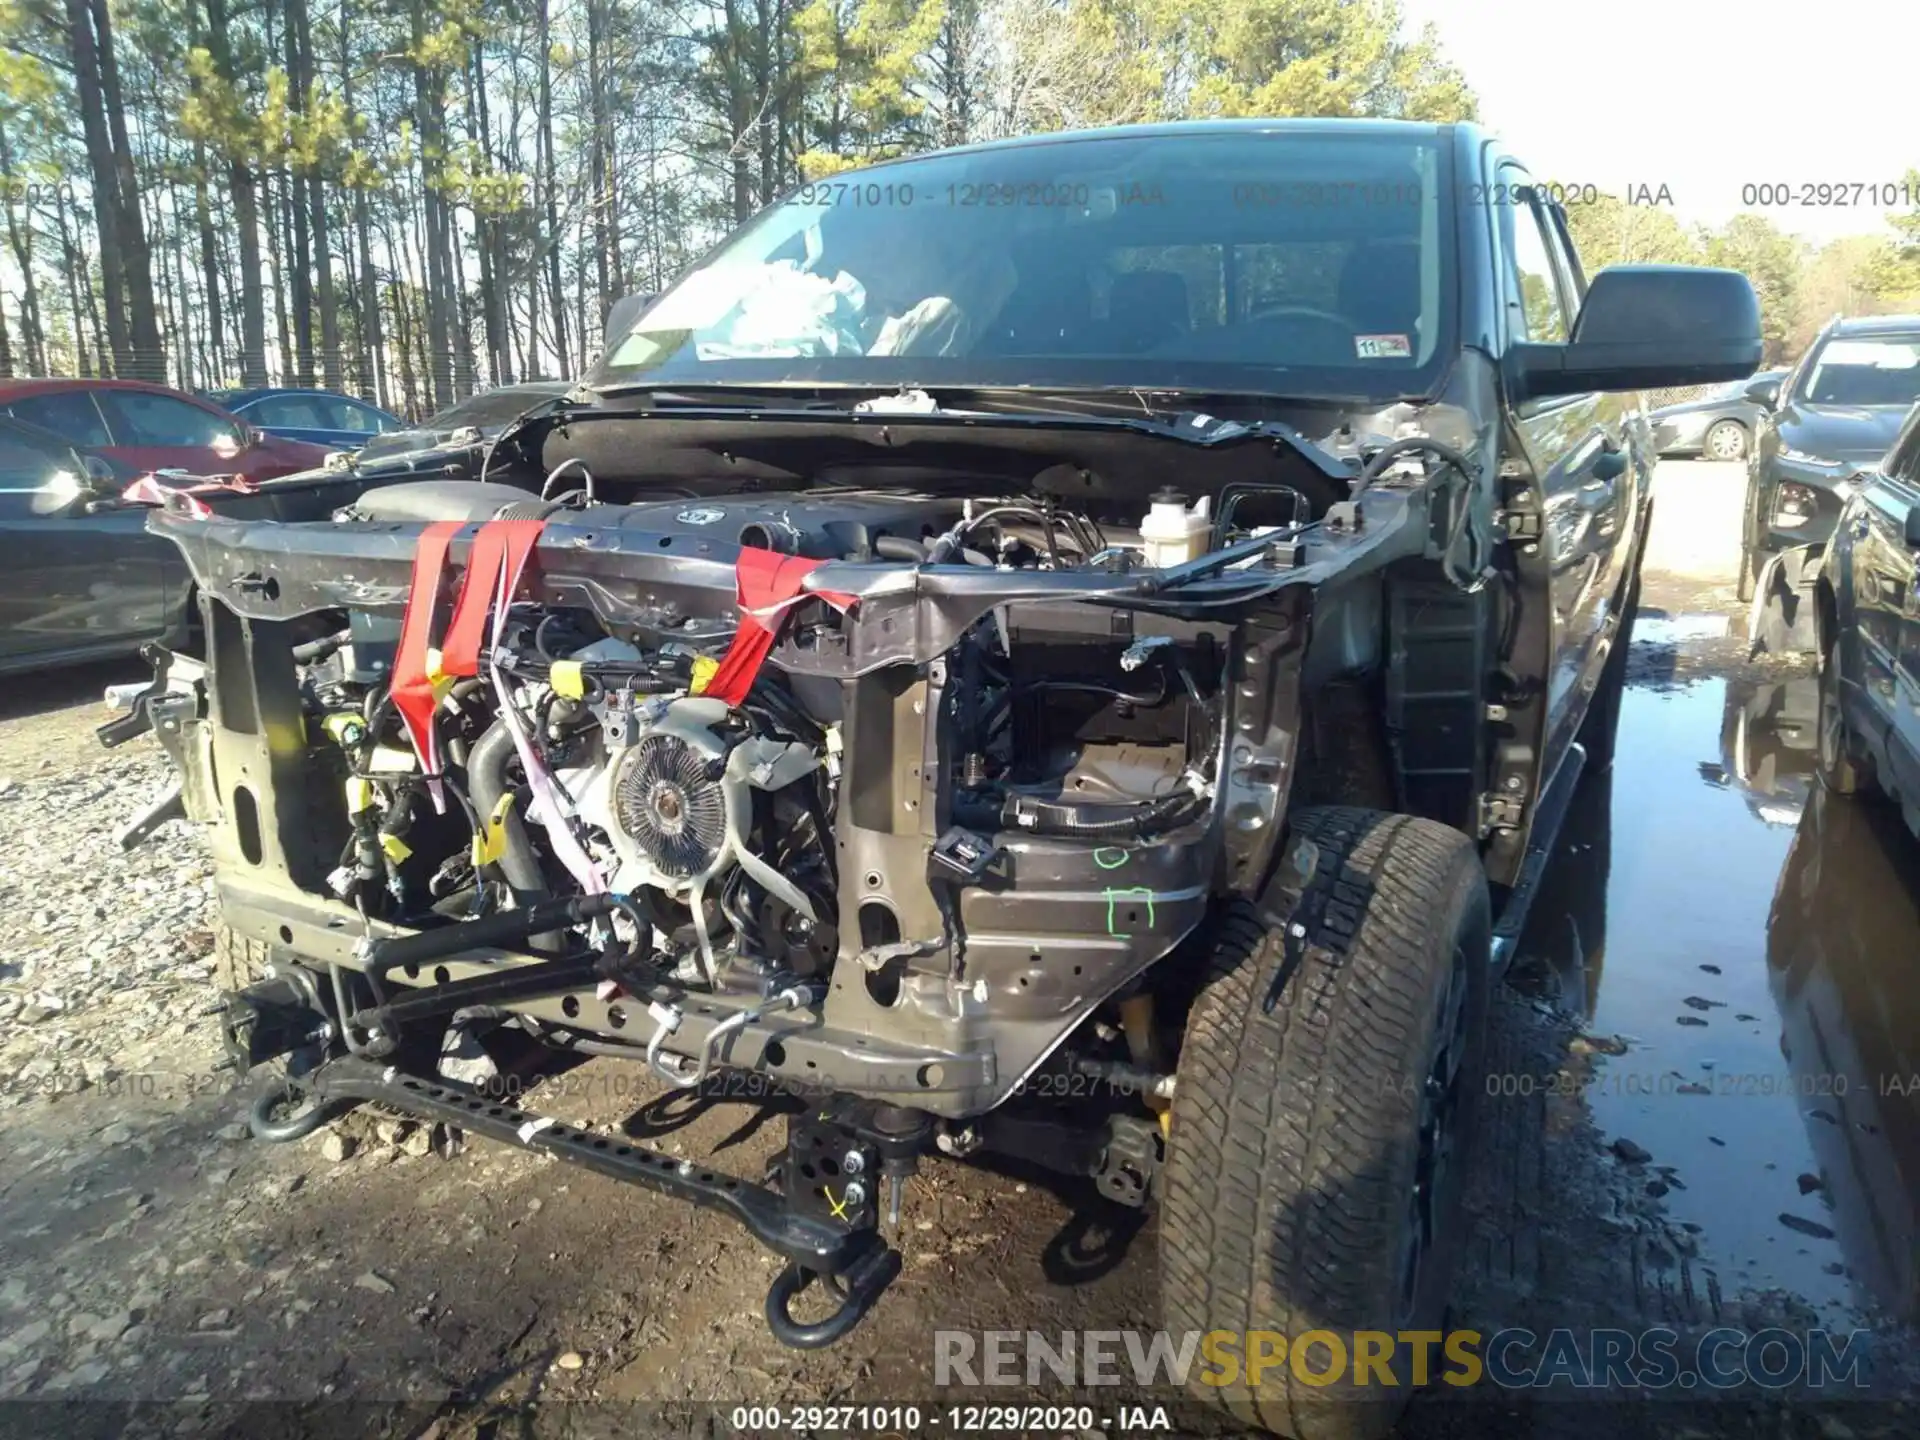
[150,1257]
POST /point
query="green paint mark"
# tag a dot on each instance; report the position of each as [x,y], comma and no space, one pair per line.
[1131,892]
[1120,857]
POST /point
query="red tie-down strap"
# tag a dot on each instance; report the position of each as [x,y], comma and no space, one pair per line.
[501,545]
[420,672]
[415,666]
[766,587]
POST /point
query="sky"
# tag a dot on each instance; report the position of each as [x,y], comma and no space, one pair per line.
[1702,96]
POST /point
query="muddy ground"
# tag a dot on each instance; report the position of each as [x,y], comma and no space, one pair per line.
[1662,1142]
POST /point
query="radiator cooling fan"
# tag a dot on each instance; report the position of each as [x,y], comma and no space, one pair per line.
[669,801]
[676,805]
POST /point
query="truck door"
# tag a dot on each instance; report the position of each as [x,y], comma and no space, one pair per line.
[1577,449]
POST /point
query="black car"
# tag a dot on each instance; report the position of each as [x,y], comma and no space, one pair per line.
[1867,628]
[1717,426]
[1112,617]
[80,577]
[1832,417]
[477,418]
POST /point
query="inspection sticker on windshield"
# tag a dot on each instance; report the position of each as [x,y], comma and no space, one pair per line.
[1383,347]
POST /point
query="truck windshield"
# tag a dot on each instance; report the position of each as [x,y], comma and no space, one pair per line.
[1865,370]
[1267,261]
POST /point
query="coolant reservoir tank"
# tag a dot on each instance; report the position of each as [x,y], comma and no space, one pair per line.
[1172,534]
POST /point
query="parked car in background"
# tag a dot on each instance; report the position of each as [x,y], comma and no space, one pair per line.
[80,578]
[1832,416]
[319,417]
[1867,630]
[1717,426]
[149,427]
[478,417]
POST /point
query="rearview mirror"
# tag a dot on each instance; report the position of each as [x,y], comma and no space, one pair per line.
[1647,327]
[1764,393]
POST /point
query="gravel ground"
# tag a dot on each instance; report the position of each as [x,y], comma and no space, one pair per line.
[150,1253]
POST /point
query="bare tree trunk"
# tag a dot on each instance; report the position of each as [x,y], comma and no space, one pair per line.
[300,286]
[246,220]
[100,168]
[150,358]
[373,359]
[209,267]
[599,180]
[276,207]
[74,265]
[549,184]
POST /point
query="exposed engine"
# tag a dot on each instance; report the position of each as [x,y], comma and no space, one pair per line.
[580,759]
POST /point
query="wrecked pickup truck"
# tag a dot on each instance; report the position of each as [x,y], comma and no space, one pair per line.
[1074,649]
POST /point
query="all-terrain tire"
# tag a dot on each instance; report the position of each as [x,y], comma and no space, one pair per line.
[1296,1138]
[1836,756]
[237,960]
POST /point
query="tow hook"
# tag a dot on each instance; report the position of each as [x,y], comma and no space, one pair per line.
[858,1287]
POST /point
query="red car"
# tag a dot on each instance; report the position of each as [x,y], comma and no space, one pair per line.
[149,427]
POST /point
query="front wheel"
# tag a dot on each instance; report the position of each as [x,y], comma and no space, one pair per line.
[1317,1149]
[1835,753]
[1727,440]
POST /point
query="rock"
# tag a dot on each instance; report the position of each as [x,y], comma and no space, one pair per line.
[112,1327]
[417,1142]
[1693,1020]
[26,1335]
[371,1280]
[214,1320]
[1631,1153]
[336,1147]
[1810,1183]
[233,1134]
[571,1360]
[41,1007]
[1805,1227]
[392,1132]
[1597,1045]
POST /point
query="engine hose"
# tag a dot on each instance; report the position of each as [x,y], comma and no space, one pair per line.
[487,782]
[1069,819]
[499,931]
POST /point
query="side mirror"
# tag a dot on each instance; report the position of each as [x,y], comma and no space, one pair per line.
[100,475]
[1913,528]
[1764,393]
[1647,327]
[61,491]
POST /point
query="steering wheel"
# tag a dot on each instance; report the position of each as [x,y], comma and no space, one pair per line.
[1303,312]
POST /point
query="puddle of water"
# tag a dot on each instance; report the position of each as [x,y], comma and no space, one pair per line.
[1674,629]
[1754,940]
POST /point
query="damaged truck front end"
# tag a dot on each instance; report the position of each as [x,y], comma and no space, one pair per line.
[898,796]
